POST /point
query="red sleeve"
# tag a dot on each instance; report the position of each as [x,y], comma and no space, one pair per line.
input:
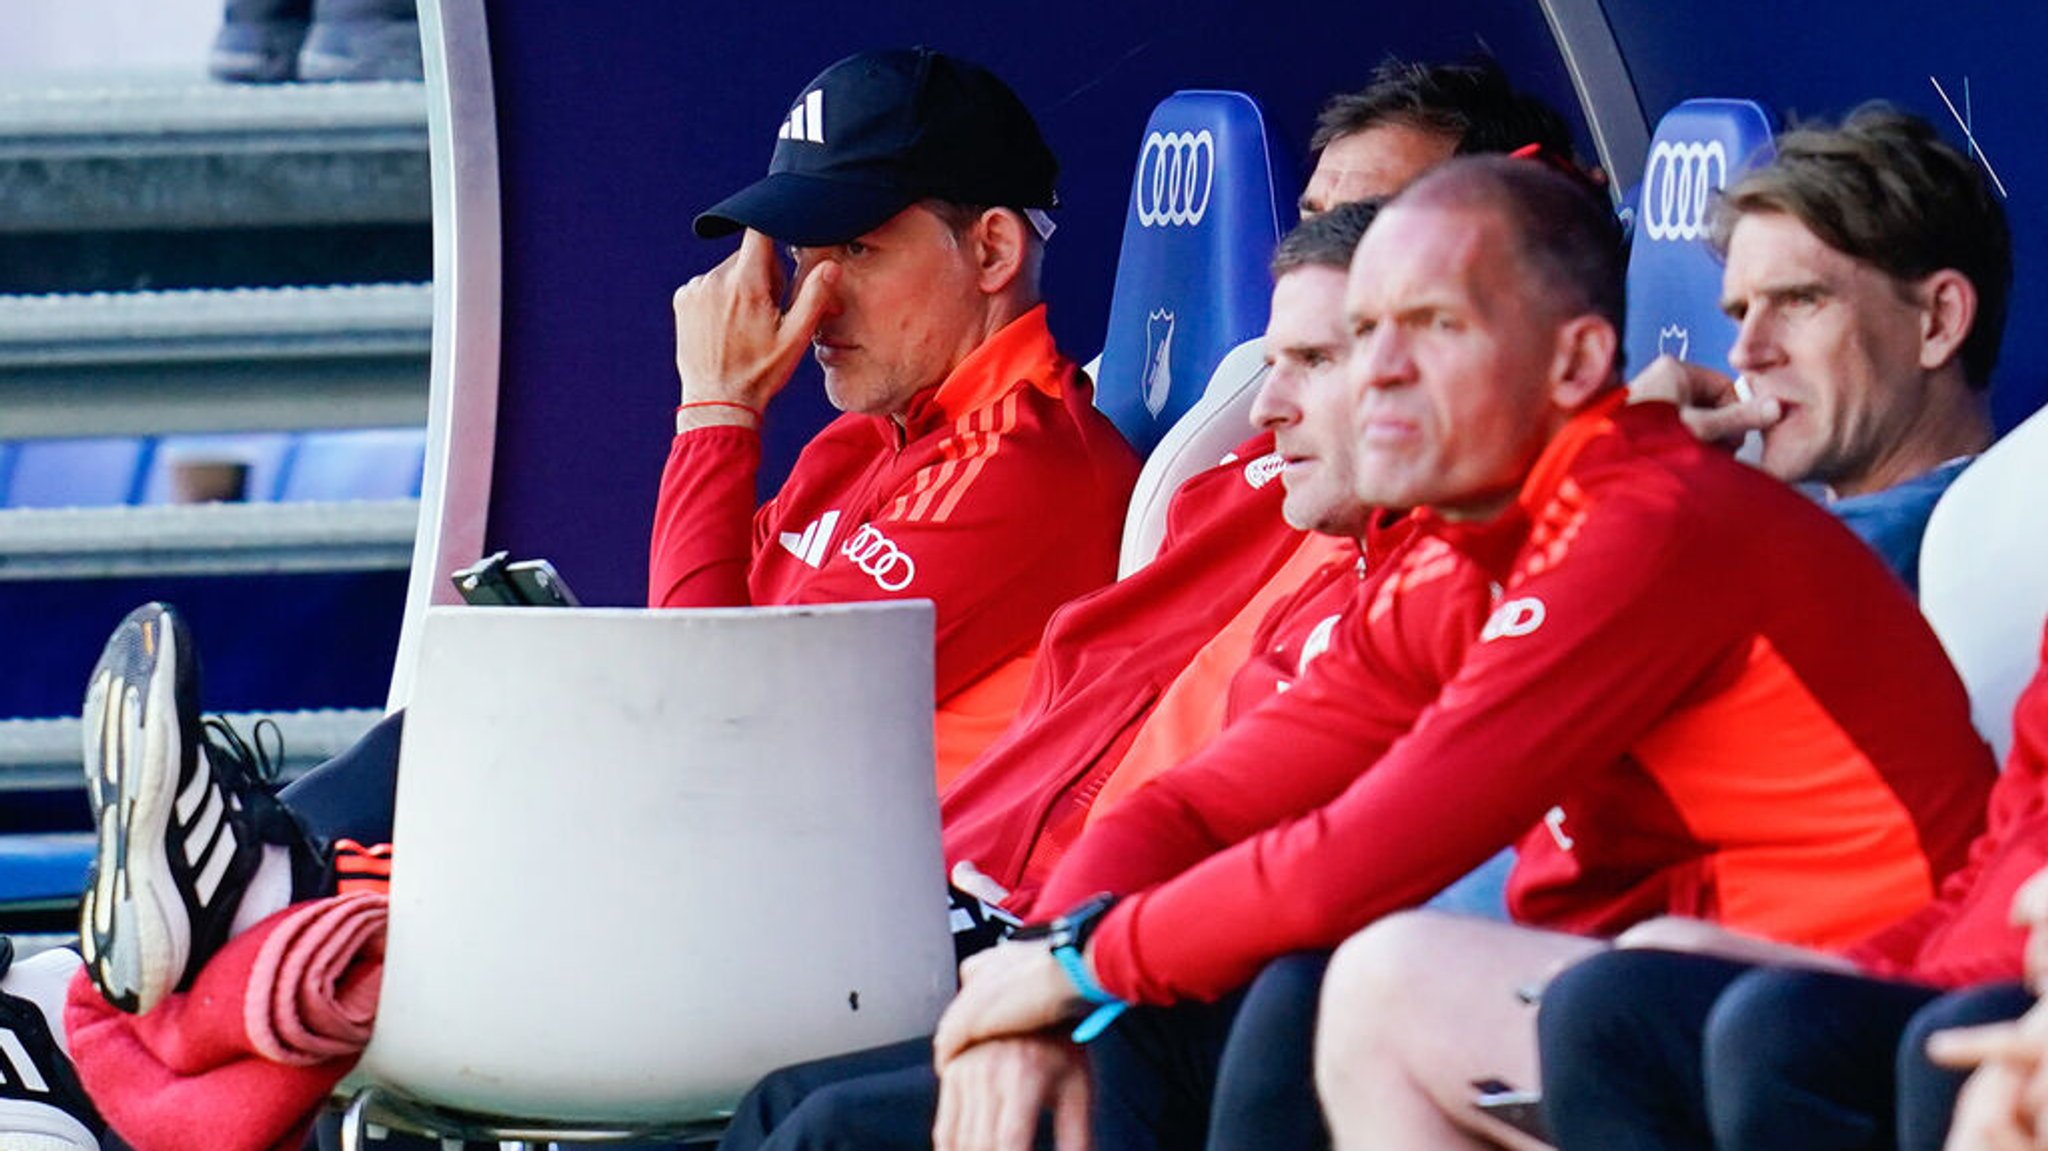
[2018,802]
[1527,713]
[1295,752]
[704,520]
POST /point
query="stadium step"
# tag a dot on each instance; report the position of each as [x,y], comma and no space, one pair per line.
[133,184]
[43,754]
[206,539]
[214,360]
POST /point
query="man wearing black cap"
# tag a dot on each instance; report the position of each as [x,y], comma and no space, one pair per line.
[970,467]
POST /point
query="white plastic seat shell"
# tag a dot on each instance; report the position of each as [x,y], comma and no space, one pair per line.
[644,857]
[1984,574]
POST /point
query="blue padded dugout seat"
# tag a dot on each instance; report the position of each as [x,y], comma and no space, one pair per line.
[263,453]
[77,473]
[1206,209]
[1674,278]
[6,469]
[44,869]
[359,464]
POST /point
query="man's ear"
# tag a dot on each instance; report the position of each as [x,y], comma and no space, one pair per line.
[999,247]
[1586,348]
[1948,310]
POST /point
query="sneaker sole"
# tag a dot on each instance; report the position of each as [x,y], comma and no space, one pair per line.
[41,1127]
[134,932]
[40,1099]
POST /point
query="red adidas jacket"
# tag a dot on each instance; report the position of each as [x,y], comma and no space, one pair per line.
[1966,935]
[1703,694]
[1103,663]
[999,496]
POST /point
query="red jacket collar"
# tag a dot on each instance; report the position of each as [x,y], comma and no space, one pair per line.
[1495,542]
[1021,352]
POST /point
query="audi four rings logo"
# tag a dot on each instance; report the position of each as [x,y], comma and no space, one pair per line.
[1176,173]
[1680,181]
[878,555]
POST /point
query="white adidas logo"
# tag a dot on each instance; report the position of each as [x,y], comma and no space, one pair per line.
[807,120]
[812,544]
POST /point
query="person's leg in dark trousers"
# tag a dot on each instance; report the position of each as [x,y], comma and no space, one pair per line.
[1235,1073]
[351,795]
[1155,1073]
[883,1099]
[1805,1059]
[1265,1085]
[1927,1093]
[1619,1039]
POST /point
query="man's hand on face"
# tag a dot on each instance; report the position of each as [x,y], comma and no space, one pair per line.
[1707,401]
[1010,989]
[991,1095]
[735,345]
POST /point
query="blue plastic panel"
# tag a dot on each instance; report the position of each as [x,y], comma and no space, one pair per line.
[1674,278]
[1205,210]
[77,473]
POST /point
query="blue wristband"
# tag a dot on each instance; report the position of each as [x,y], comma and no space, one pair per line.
[1107,1006]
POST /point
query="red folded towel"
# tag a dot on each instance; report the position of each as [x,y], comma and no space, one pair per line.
[243,1060]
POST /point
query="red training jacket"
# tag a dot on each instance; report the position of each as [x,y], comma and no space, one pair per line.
[1966,935]
[998,496]
[1105,660]
[1695,692]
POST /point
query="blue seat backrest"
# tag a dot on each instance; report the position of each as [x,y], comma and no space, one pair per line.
[77,473]
[1205,211]
[263,453]
[358,464]
[6,469]
[1674,277]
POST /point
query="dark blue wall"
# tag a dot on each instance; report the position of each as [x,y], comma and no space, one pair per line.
[619,120]
[1822,57]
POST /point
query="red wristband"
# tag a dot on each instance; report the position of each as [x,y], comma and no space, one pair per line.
[747,408]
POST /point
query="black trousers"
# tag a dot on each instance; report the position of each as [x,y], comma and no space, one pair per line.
[882,1099]
[1653,1049]
[351,795]
[1232,1074]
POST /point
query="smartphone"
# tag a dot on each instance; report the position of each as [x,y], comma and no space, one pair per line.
[484,582]
[540,585]
[1521,1110]
[494,581]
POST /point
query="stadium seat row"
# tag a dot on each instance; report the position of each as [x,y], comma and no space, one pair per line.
[255,467]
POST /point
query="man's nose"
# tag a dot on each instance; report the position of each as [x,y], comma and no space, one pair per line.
[1379,360]
[1276,404]
[1755,345]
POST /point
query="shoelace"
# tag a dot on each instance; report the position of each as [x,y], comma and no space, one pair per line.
[254,761]
[253,779]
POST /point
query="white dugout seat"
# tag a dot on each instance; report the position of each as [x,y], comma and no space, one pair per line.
[1984,574]
[649,856]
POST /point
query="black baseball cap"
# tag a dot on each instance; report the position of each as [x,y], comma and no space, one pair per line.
[876,133]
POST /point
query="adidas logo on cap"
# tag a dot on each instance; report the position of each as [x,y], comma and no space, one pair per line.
[806,121]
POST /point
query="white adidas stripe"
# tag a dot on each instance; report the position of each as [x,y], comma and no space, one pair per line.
[210,835]
[24,1067]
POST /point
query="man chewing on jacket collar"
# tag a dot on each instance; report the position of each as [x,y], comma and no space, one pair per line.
[1867,267]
